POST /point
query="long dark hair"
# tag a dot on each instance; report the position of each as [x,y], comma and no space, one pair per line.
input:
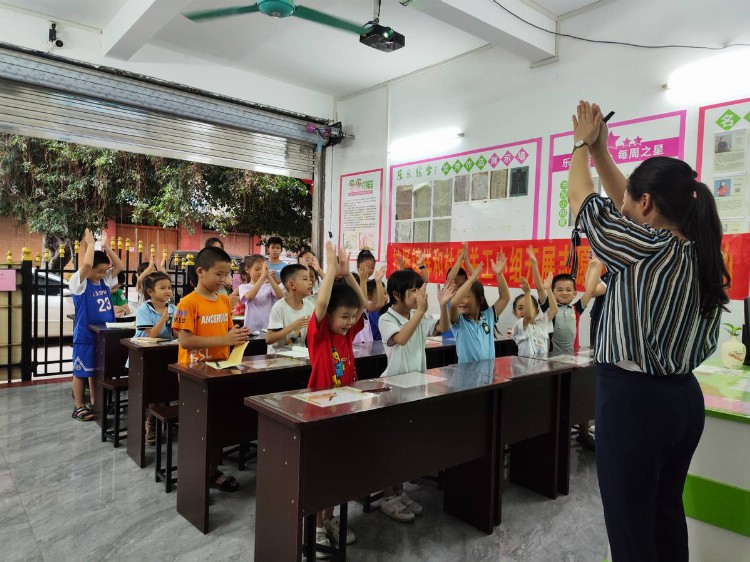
[690,205]
[398,283]
[477,289]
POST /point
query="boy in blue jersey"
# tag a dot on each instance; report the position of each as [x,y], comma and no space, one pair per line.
[90,287]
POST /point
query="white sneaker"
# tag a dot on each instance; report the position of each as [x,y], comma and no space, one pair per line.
[322,539]
[394,508]
[413,506]
[332,526]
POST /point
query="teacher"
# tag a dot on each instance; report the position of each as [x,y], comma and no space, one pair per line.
[660,321]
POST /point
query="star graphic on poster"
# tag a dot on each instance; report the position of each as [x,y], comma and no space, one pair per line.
[612,139]
[638,140]
[626,142]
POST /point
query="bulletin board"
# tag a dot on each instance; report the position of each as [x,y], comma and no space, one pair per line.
[360,211]
[629,142]
[722,160]
[474,195]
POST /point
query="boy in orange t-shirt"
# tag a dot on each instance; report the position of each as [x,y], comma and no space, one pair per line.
[203,322]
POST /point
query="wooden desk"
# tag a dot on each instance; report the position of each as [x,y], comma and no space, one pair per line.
[150,381]
[110,360]
[212,416]
[452,425]
[212,413]
[577,402]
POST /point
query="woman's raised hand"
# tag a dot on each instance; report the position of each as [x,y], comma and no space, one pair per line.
[586,123]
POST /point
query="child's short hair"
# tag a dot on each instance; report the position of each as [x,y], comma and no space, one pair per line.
[477,289]
[275,240]
[342,295]
[192,276]
[399,282]
[100,258]
[371,286]
[149,283]
[461,271]
[210,256]
[562,277]
[121,278]
[533,300]
[305,249]
[211,243]
[290,271]
[251,260]
[365,255]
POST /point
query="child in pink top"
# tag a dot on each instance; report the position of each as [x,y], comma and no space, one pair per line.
[259,294]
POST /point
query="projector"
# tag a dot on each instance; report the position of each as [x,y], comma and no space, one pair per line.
[382,38]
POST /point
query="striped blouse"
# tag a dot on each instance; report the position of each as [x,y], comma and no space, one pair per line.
[651,314]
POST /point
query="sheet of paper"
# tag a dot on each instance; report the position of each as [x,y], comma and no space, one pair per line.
[409,380]
[146,339]
[235,358]
[122,325]
[297,352]
[272,363]
[334,396]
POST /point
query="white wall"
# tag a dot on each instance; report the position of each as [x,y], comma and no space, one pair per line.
[84,44]
[494,97]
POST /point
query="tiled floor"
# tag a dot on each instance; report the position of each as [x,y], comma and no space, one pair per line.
[66,496]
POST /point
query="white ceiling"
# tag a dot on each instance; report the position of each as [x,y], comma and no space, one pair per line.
[319,57]
[562,7]
[292,50]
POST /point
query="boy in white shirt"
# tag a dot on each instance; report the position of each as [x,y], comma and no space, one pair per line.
[287,325]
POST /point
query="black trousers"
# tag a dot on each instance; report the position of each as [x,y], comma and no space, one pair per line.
[647,429]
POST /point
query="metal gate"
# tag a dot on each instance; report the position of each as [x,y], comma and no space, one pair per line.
[38,313]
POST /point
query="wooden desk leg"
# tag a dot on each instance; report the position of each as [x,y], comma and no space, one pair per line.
[470,489]
[534,461]
[278,513]
[193,454]
[563,441]
[136,413]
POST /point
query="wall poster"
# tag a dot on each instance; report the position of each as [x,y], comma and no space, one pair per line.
[474,195]
[360,211]
[722,161]
[629,142]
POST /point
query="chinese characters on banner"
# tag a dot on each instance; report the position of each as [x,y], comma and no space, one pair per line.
[629,142]
[722,161]
[360,211]
[477,194]
[552,255]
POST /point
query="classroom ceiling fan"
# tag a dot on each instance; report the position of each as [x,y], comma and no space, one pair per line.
[371,34]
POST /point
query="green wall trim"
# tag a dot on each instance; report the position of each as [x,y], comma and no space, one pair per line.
[739,418]
[718,504]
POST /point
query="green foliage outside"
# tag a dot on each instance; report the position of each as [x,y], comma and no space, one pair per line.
[59,189]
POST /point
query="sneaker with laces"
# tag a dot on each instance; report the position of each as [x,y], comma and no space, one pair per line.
[394,508]
[413,506]
[332,526]
[322,539]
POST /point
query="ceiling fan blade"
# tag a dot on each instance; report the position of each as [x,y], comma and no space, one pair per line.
[326,19]
[221,13]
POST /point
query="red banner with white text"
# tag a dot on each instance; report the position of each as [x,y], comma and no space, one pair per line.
[552,255]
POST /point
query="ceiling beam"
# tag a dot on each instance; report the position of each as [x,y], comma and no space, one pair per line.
[488,21]
[136,23]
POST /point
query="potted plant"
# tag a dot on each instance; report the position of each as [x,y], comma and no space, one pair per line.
[733,350]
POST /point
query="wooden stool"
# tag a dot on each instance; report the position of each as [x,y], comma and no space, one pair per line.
[167,416]
[114,387]
[242,450]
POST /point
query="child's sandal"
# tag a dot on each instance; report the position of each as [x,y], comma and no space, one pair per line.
[83,414]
